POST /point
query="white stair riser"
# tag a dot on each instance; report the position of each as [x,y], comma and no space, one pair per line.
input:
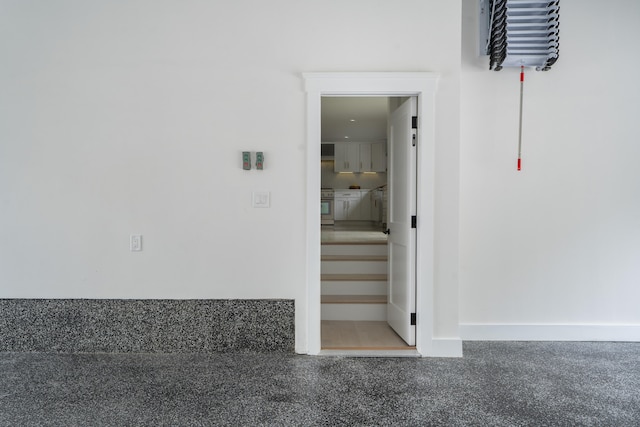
[355,312]
[353,250]
[354,288]
[353,267]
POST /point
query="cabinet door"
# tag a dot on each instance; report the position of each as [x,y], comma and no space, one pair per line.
[353,208]
[347,157]
[378,157]
[376,206]
[365,205]
[364,165]
[374,210]
[340,209]
[340,156]
[353,157]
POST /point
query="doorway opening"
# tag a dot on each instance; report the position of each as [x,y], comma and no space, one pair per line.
[367,275]
[421,86]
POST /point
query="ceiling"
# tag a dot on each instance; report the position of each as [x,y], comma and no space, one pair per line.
[361,119]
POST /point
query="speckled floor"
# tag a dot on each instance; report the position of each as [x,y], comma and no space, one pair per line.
[495,384]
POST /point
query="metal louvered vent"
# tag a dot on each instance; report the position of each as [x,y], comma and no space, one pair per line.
[522,33]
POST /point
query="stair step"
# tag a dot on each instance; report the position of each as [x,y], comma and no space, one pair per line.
[353,299]
[353,277]
[354,249]
[353,267]
[354,281]
[354,288]
[354,258]
[376,312]
[346,242]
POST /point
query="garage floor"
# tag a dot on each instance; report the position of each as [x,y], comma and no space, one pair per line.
[496,383]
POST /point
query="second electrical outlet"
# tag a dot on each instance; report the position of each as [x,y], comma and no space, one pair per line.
[135,242]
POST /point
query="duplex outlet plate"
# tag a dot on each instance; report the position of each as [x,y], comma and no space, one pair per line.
[135,242]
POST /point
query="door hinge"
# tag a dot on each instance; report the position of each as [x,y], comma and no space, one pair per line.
[414,128]
[414,221]
[413,319]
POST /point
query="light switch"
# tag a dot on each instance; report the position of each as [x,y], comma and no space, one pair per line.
[259,160]
[261,199]
[246,160]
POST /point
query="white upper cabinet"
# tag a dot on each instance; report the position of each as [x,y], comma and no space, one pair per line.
[347,157]
[365,158]
[378,157]
[360,157]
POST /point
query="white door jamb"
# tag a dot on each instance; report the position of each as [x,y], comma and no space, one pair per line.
[420,84]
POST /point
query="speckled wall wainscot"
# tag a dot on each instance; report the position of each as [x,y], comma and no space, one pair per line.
[146,326]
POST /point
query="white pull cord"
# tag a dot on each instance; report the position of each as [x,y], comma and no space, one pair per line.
[520,124]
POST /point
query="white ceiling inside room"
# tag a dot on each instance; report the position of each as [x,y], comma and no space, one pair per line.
[358,119]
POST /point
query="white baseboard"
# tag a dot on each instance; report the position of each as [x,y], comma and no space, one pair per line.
[444,347]
[513,332]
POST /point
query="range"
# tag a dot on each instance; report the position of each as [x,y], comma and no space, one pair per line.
[326,206]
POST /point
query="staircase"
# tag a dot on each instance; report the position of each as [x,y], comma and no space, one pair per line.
[354,281]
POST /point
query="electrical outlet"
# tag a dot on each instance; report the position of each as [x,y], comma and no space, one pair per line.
[135,242]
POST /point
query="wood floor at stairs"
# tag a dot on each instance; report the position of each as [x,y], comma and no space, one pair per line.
[362,335]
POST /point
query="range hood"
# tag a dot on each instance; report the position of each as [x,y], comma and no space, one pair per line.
[327,151]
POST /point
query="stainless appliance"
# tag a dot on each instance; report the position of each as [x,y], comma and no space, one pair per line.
[326,206]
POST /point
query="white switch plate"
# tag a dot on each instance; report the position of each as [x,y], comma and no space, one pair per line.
[261,199]
[135,242]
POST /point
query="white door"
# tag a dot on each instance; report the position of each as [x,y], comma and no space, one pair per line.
[402,206]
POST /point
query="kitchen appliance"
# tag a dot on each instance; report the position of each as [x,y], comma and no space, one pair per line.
[326,206]
[327,152]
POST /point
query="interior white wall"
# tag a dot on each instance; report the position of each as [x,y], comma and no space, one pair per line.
[126,117]
[557,243]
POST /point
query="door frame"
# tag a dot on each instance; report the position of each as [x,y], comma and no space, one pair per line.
[423,85]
